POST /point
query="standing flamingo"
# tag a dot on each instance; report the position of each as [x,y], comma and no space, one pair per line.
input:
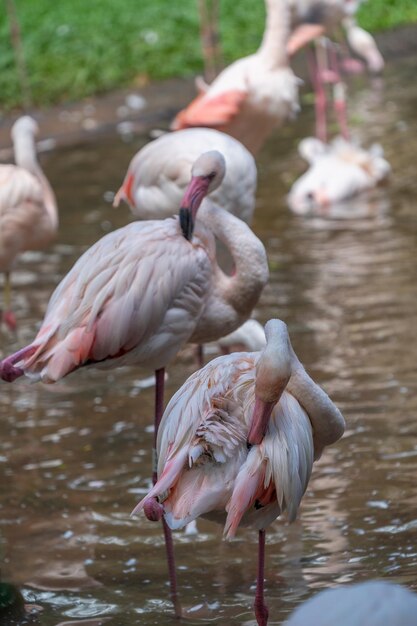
[371,603]
[141,292]
[159,173]
[237,443]
[28,212]
[253,95]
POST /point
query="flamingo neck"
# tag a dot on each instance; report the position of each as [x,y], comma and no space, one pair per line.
[232,297]
[25,156]
[274,42]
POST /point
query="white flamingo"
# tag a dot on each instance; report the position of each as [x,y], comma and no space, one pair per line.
[28,211]
[253,95]
[159,173]
[237,442]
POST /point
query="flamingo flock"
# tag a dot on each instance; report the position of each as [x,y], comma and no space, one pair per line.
[237,442]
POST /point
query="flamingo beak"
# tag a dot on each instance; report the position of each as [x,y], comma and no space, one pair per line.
[302,35]
[193,197]
[260,418]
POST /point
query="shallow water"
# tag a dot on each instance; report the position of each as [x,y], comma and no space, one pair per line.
[75,457]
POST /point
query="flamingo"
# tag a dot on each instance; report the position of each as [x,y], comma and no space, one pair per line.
[159,173]
[28,211]
[237,442]
[253,95]
[370,603]
[141,292]
[337,171]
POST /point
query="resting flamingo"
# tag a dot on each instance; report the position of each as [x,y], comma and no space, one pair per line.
[159,173]
[28,212]
[253,95]
[370,603]
[141,292]
[237,442]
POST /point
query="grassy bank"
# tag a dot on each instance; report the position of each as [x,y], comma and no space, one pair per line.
[75,48]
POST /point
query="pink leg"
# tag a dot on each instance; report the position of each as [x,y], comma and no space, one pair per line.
[200,356]
[319,97]
[261,610]
[339,96]
[159,409]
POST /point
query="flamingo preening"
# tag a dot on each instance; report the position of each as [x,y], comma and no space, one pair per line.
[237,443]
[141,292]
[253,95]
[28,211]
[159,173]
[337,171]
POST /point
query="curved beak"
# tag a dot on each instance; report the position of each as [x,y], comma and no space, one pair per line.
[193,197]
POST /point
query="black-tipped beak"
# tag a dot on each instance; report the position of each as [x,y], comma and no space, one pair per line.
[186,223]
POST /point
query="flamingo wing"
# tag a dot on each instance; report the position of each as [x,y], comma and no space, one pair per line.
[212,111]
[137,292]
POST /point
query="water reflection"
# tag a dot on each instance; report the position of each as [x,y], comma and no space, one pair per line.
[74,457]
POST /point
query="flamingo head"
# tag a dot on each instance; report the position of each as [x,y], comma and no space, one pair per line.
[207,175]
[273,371]
[25,124]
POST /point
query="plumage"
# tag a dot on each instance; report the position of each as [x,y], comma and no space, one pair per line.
[143,291]
[203,442]
[253,95]
[211,460]
[28,213]
[159,173]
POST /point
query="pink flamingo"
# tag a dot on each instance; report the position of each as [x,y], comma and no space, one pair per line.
[28,212]
[237,442]
[253,95]
[370,603]
[141,292]
[159,173]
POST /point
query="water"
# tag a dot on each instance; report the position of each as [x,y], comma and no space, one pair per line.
[75,457]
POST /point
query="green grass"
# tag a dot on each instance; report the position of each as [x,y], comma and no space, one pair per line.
[75,48]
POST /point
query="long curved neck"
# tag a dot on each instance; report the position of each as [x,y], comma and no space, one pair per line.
[327,421]
[242,289]
[274,42]
[25,156]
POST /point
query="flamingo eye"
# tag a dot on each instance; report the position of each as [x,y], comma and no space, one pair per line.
[211,175]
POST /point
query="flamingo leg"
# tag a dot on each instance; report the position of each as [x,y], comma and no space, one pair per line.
[339,96]
[8,316]
[261,610]
[320,103]
[169,546]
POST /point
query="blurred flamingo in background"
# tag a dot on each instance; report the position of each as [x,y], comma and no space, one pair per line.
[253,95]
[159,173]
[237,442]
[141,292]
[310,21]
[337,171]
[28,211]
[371,603]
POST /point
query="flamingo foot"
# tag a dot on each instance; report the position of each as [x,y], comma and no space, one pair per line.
[9,319]
[261,612]
[153,510]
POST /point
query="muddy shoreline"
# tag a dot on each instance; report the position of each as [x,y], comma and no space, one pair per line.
[132,110]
